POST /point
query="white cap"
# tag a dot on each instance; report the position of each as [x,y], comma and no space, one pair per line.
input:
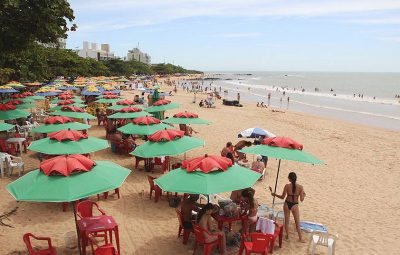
[259,157]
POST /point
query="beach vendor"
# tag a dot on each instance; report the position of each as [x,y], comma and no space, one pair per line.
[187,207]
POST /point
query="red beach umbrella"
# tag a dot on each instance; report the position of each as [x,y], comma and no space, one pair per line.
[28,94]
[7,107]
[207,163]
[166,135]
[161,102]
[66,165]
[18,96]
[130,109]
[283,142]
[57,120]
[146,120]
[110,96]
[185,115]
[64,135]
[15,102]
[66,102]
[109,93]
[65,96]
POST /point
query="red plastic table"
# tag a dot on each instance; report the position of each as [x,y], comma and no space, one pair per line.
[92,225]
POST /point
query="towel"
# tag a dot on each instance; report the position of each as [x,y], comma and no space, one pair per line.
[266,225]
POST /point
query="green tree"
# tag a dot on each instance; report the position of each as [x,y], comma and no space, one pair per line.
[23,22]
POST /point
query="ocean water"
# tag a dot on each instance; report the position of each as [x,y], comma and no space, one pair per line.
[362,98]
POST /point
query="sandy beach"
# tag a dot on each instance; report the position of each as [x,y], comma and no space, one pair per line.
[355,194]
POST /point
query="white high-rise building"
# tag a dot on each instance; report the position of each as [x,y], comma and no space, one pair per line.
[138,55]
[90,50]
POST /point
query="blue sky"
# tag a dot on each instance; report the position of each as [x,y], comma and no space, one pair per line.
[252,35]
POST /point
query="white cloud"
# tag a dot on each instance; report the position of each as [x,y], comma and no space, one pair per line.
[377,21]
[120,14]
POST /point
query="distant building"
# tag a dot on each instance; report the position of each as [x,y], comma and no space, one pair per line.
[90,50]
[138,55]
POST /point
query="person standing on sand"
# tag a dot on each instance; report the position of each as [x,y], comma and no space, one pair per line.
[292,192]
[280,105]
[287,106]
[269,99]
[238,97]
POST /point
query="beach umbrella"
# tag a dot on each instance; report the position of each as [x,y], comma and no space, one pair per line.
[7,89]
[162,105]
[47,94]
[15,84]
[57,123]
[5,126]
[20,104]
[108,99]
[255,133]
[73,112]
[282,148]
[74,99]
[90,93]
[20,97]
[68,88]
[128,113]
[207,175]
[36,186]
[143,126]
[68,142]
[59,106]
[185,118]
[10,112]
[34,84]
[30,95]
[124,103]
[168,142]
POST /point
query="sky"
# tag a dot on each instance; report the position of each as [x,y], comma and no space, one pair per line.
[251,35]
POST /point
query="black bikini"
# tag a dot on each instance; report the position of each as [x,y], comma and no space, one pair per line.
[291,204]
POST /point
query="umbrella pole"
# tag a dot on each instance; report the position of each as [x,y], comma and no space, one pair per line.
[77,230]
[276,181]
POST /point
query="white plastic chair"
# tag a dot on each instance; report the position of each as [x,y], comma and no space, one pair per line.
[2,160]
[323,239]
[15,162]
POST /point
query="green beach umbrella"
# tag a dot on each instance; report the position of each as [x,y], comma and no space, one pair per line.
[26,106]
[122,104]
[10,112]
[168,142]
[282,148]
[73,112]
[207,175]
[19,97]
[185,118]
[5,126]
[36,186]
[68,142]
[36,97]
[75,99]
[162,105]
[19,104]
[107,100]
[57,123]
[143,126]
[128,113]
[15,84]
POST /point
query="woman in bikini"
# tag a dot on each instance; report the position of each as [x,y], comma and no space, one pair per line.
[204,219]
[292,192]
[251,205]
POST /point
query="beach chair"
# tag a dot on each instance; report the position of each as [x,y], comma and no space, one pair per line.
[105,194]
[200,240]
[48,251]
[323,239]
[105,249]
[85,209]
[186,232]
[14,162]
[8,147]
[258,243]
[153,187]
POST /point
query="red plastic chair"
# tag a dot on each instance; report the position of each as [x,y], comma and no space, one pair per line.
[186,232]
[106,249]
[153,187]
[278,233]
[105,194]
[8,147]
[259,243]
[84,209]
[200,240]
[137,160]
[49,251]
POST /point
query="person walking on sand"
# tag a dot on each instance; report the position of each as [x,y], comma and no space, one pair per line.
[293,192]
[280,103]
[287,106]
[238,97]
[269,99]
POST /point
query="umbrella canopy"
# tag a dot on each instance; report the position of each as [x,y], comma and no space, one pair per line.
[10,112]
[143,126]
[68,142]
[22,97]
[162,105]
[108,99]
[15,84]
[282,148]
[31,96]
[7,89]
[66,165]
[58,107]
[255,132]
[57,123]
[167,142]
[128,113]
[75,99]
[90,93]
[198,182]
[5,126]
[73,112]
[186,118]
[207,163]
[36,186]
[122,104]
[46,94]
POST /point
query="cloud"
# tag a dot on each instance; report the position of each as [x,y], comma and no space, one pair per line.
[377,21]
[239,35]
[121,14]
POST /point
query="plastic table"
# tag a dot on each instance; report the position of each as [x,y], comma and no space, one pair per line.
[18,140]
[92,225]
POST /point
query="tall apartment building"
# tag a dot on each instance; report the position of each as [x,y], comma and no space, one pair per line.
[90,50]
[138,55]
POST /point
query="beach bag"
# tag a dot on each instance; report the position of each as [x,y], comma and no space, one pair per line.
[174,202]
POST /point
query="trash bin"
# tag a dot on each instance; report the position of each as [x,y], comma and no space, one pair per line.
[70,239]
